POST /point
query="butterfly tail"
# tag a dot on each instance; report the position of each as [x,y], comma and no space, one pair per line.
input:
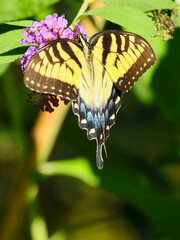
[99,159]
[98,121]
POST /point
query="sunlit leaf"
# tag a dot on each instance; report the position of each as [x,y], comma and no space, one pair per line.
[22,23]
[79,168]
[10,40]
[144,5]
[132,19]
[16,9]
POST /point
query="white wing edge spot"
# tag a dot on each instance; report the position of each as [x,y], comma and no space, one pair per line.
[84,121]
[112,117]
[76,106]
[92,131]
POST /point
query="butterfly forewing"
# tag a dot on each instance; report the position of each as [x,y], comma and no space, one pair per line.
[56,69]
[125,56]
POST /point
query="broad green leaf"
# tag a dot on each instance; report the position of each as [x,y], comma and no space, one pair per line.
[12,55]
[10,40]
[144,5]
[79,168]
[22,23]
[9,58]
[18,9]
[132,19]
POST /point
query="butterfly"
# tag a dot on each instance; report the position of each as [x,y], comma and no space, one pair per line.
[93,75]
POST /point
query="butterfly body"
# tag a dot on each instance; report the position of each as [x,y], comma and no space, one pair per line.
[93,75]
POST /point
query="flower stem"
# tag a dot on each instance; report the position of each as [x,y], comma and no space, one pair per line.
[81,11]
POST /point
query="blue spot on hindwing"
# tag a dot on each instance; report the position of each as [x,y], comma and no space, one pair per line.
[89,116]
[82,108]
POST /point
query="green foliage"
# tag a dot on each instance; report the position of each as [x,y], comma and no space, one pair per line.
[16,9]
[21,23]
[131,18]
[10,40]
[166,84]
[144,5]
[137,195]
[10,48]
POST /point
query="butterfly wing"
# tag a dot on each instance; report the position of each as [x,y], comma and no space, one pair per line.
[125,56]
[56,69]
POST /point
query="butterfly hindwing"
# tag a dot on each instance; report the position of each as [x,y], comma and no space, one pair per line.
[97,104]
[56,69]
[125,56]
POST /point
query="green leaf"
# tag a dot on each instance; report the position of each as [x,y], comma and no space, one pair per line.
[12,55]
[79,168]
[10,40]
[8,59]
[132,19]
[144,5]
[18,9]
[22,23]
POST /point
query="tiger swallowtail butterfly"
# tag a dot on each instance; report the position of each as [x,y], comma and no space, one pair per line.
[92,74]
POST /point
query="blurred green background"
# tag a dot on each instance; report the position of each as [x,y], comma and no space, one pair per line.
[136,195]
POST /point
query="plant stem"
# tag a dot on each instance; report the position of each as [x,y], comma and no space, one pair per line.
[81,11]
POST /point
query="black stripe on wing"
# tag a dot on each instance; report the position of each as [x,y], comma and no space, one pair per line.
[129,53]
[47,71]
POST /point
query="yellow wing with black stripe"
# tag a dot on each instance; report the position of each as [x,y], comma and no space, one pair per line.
[56,69]
[125,56]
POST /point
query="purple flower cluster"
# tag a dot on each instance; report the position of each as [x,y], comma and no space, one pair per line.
[53,27]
